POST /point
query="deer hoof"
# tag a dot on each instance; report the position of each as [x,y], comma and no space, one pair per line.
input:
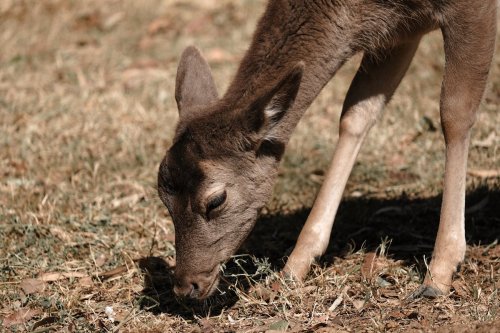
[424,291]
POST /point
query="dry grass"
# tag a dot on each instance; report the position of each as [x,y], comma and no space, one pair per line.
[87,109]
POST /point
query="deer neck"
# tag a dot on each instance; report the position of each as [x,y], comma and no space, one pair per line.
[280,41]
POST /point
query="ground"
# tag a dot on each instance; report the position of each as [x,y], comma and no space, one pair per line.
[87,111]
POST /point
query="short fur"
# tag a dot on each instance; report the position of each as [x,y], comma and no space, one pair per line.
[232,145]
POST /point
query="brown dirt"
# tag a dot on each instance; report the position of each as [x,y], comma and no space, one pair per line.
[87,110]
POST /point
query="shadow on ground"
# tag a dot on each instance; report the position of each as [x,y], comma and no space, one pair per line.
[409,224]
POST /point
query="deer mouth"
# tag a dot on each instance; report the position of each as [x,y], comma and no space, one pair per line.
[209,290]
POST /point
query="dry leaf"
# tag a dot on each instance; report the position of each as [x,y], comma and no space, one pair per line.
[31,286]
[306,290]
[115,271]
[87,296]
[276,286]
[51,276]
[369,265]
[460,288]
[387,293]
[206,326]
[484,173]
[86,282]
[56,276]
[358,304]
[20,316]
[396,315]
[281,325]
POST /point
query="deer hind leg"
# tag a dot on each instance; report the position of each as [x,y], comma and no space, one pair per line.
[372,87]
[469,50]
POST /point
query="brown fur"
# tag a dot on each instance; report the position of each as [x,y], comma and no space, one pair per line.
[232,146]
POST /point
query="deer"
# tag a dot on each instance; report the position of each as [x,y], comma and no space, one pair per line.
[219,171]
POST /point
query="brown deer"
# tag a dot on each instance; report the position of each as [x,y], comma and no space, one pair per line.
[219,172]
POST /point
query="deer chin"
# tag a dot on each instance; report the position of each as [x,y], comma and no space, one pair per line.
[211,288]
[212,281]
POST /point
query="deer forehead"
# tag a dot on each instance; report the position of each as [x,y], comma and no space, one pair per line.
[217,173]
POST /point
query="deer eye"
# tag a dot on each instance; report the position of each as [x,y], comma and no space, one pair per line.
[215,201]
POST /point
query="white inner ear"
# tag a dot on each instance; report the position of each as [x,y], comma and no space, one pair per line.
[272,114]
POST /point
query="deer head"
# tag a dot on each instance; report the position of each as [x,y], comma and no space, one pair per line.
[219,171]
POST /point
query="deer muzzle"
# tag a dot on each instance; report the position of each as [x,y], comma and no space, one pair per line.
[198,285]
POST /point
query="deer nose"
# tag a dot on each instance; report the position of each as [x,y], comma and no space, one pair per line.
[197,286]
[186,289]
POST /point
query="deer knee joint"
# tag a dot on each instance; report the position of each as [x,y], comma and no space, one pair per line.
[458,115]
[358,118]
[357,124]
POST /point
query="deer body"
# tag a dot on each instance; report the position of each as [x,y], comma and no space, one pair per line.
[225,155]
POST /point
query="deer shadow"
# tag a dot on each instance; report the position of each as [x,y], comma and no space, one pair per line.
[410,225]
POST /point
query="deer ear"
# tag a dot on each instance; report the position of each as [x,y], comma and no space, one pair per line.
[270,107]
[194,84]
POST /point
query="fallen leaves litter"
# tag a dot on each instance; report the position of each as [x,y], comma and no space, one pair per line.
[45,321]
[281,325]
[358,304]
[369,265]
[83,83]
[31,286]
[86,282]
[460,288]
[20,316]
[113,272]
[56,276]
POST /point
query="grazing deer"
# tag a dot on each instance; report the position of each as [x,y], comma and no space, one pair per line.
[220,170]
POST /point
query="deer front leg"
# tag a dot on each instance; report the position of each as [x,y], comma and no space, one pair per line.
[370,90]
[469,50]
